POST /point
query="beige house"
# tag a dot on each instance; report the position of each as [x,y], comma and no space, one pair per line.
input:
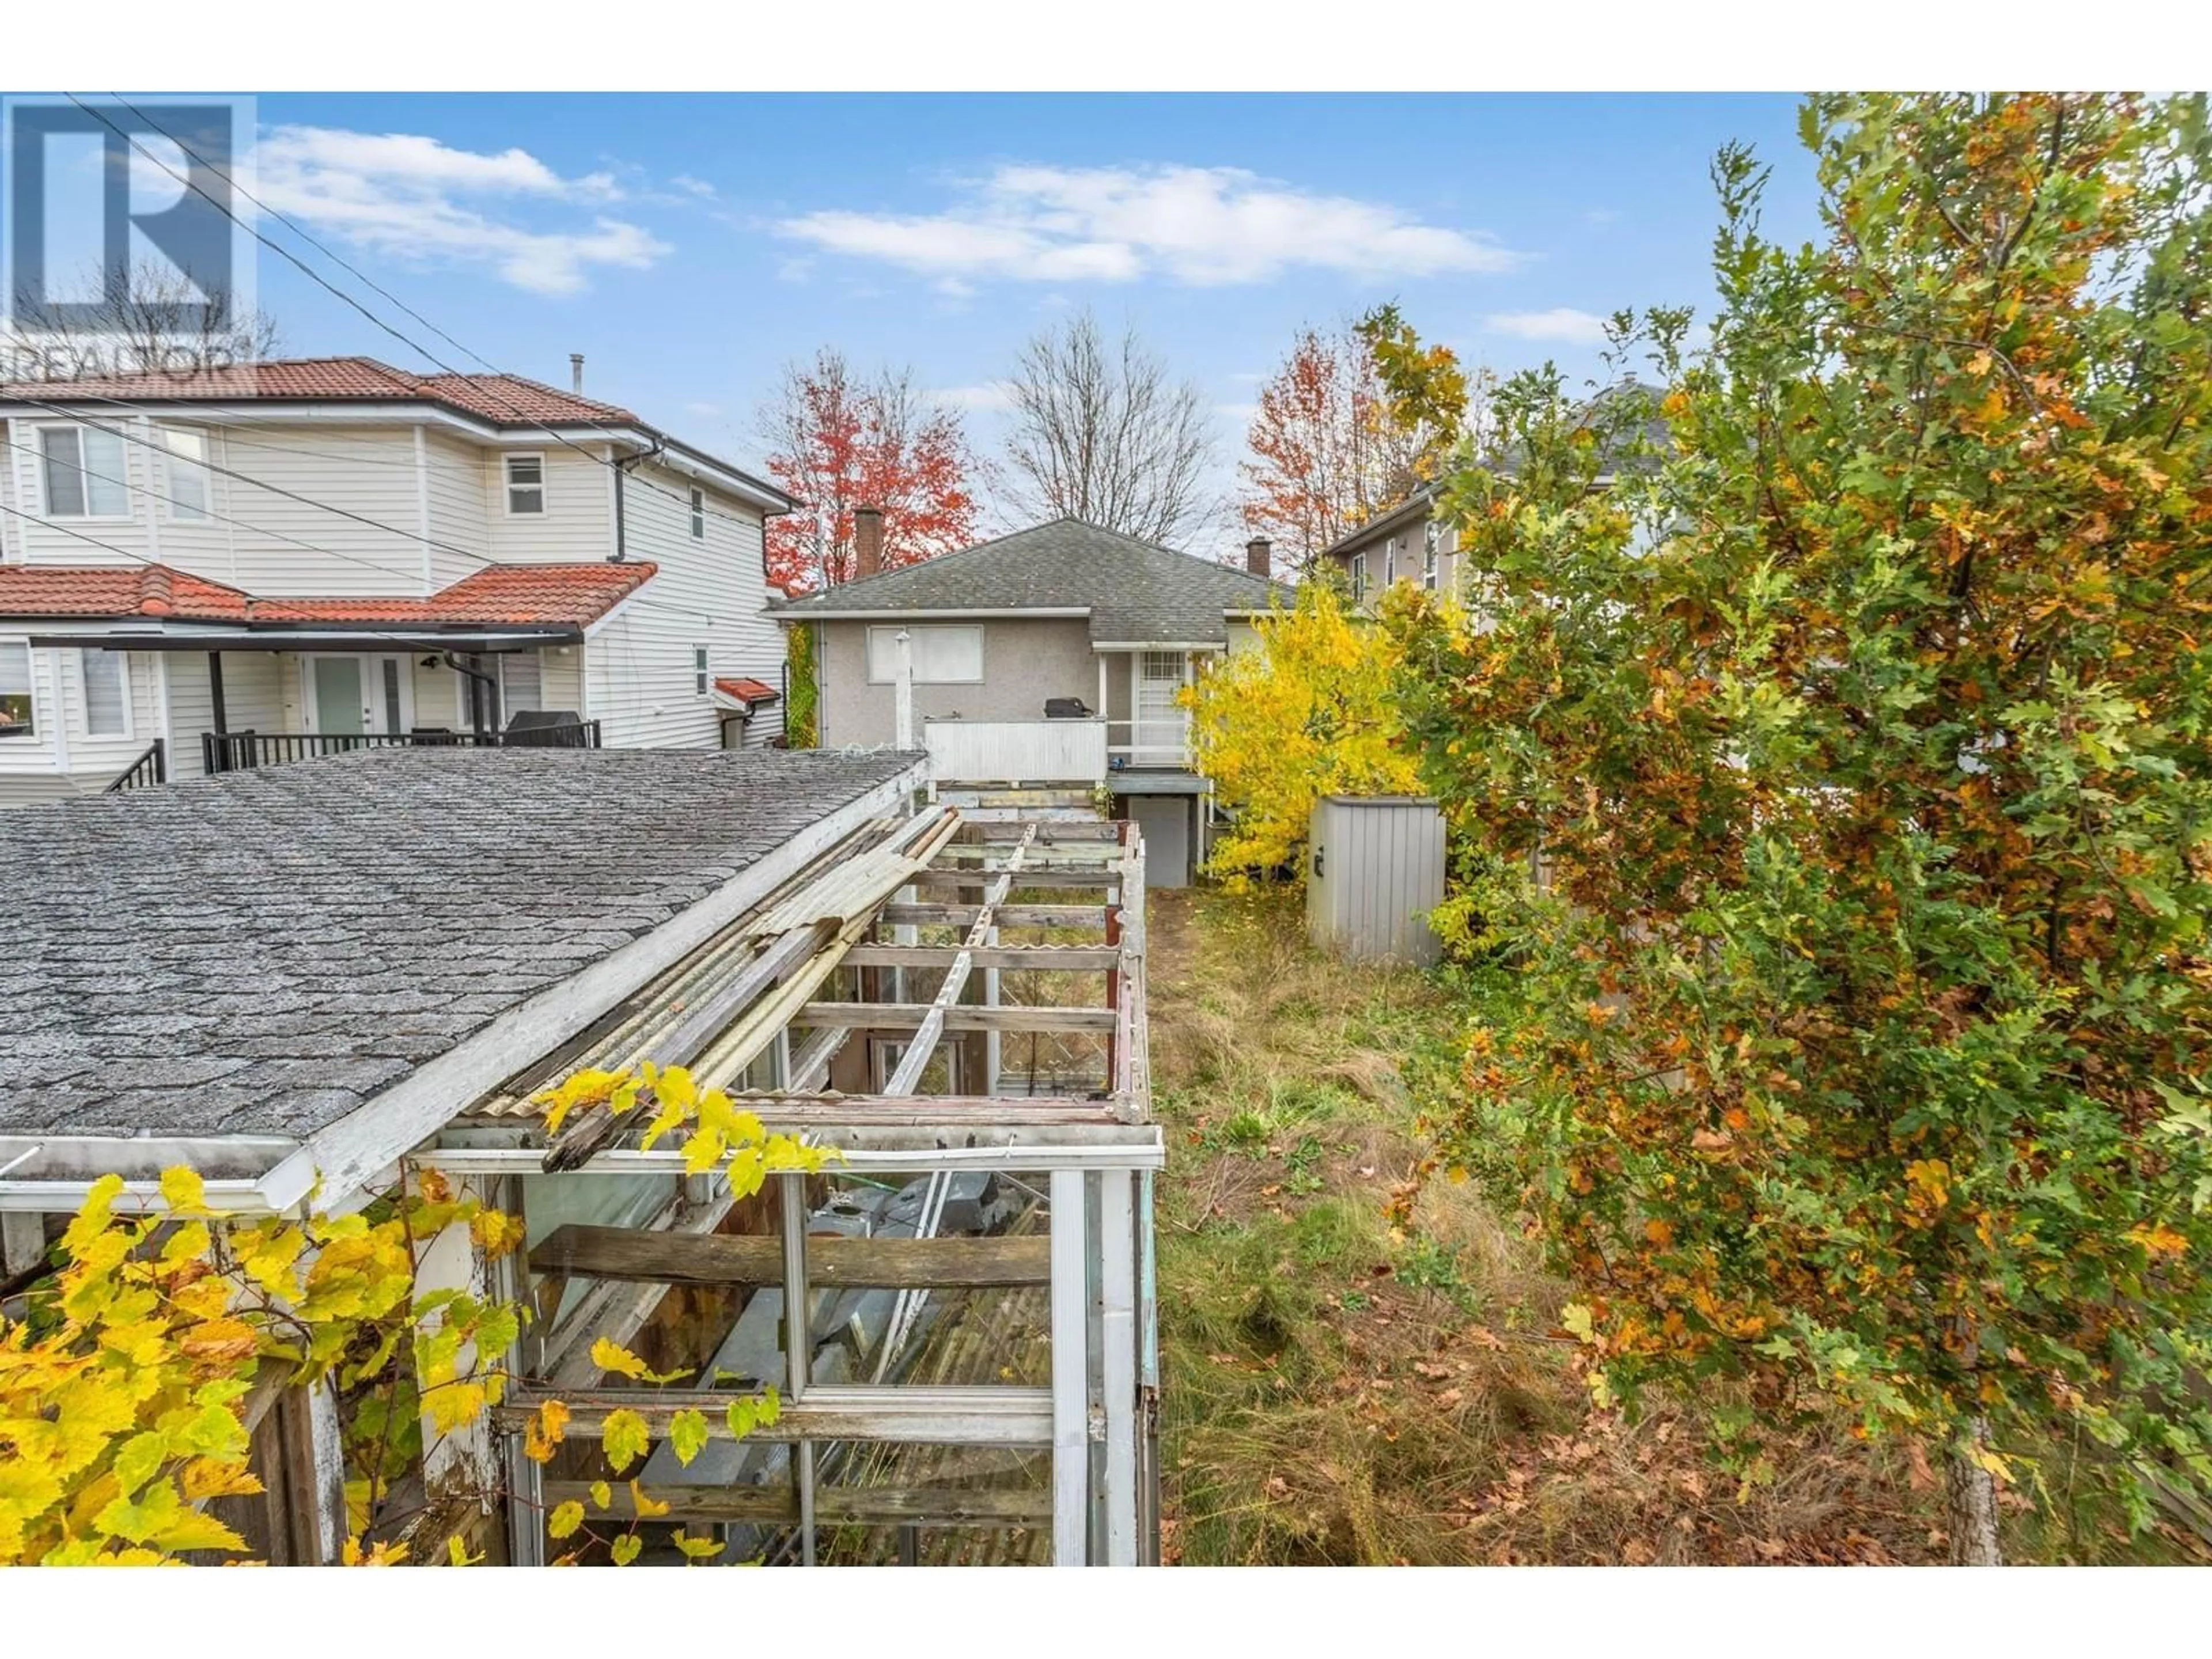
[1053,655]
[294,558]
[1415,543]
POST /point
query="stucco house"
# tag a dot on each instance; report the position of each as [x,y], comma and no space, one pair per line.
[1051,655]
[250,566]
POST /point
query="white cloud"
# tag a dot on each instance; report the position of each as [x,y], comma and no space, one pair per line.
[408,197]
[993,396]
[699,187]
[1562,323]
[1202,226]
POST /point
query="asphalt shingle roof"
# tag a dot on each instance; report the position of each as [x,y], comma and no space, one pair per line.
[262,953]
[1135,592]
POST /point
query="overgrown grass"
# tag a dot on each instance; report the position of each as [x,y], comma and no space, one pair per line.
[1336,1389]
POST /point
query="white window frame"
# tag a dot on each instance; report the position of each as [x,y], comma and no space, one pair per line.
[1431,533]
[119,480]
[175,465]
[890,632]
[698,514]
[508,485]
[1359,577]
[86,656]
[702,673]
[30,689]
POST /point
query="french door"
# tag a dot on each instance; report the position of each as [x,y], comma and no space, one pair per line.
[357,695]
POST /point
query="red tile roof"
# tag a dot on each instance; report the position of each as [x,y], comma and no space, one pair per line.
[501,399]
[747,690]
[514,595]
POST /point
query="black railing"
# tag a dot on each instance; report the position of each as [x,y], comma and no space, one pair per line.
[240,751]
[149,769]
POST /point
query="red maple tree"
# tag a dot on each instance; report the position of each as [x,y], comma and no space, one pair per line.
[838,441]
[1325,455]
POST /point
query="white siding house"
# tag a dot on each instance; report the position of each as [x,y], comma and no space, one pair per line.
[297,557]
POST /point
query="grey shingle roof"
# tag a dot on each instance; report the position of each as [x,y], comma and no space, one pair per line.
[260,953]
[1133,591]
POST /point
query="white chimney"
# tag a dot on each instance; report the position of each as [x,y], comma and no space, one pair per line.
[576,372]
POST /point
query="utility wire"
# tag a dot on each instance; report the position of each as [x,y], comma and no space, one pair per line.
[316,276]
[128,436]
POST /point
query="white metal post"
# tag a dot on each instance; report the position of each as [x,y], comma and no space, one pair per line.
[1071,1448]
[902,690]
[798,1346]
[1117,1271]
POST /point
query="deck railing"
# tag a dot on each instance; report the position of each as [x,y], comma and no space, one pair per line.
[149,769]
[239,752]
[1017,751]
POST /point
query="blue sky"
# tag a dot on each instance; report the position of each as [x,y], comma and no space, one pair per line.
[690,246]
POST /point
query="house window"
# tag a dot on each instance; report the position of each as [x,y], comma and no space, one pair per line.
[1360,578]
[15,707]
[106,694]
[84,472]
[698,515]
[185,475]
[1430,533]
[699,672]
[525,484]
[942,655]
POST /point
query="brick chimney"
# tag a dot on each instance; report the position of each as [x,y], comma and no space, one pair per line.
[1259,556]
[867,541]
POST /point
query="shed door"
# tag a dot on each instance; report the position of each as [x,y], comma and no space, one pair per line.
[1164,823]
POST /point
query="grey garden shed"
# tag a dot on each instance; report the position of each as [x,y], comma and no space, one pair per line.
[1374,868]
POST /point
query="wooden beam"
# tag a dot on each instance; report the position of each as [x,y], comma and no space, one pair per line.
[1024,877]
[663,1258]
[907,1415]
[1010,915]
[909,1015]
[1052,958]
[922,1046]
[834,1506]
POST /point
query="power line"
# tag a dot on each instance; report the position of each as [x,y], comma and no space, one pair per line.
[416,537]
[317,278]
[418,643]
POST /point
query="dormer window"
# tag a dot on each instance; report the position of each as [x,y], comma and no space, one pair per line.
[526,485]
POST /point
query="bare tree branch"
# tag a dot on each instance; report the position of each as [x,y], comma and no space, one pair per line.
[1104,432]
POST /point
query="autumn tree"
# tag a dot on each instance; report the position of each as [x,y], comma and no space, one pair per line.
[1860,746]
[1311,710]
[838,440]
[1327,449]
[1103,432]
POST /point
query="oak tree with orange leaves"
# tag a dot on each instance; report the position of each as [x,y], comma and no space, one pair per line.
[838,441]
[1860,741]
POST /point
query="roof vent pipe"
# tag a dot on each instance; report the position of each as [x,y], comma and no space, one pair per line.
[576,373]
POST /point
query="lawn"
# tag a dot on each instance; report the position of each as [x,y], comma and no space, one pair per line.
[1340,1389]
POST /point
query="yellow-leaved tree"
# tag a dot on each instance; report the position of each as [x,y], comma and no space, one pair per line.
[129,1379]
[1306,711]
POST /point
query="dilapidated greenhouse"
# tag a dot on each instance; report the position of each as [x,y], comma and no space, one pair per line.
[955,1309]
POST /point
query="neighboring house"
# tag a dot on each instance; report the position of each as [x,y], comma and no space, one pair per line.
[1409,543]
[1413,542]
[254,565]
[1053,655]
